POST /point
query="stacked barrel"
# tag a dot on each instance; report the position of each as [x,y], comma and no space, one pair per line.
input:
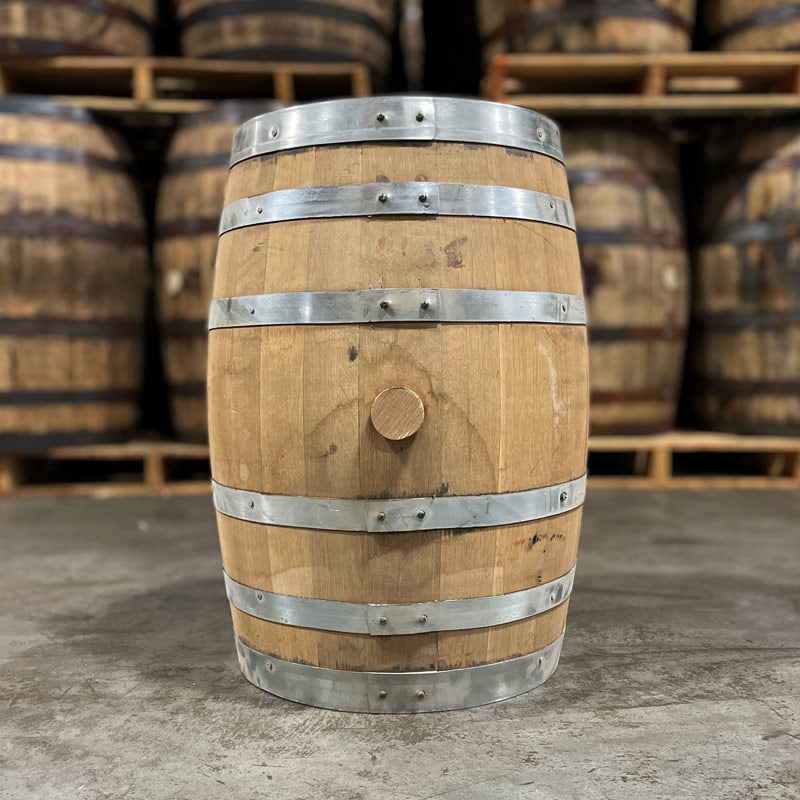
[187,219]
[579,26]
[78,28]
[73,272]
[625,187]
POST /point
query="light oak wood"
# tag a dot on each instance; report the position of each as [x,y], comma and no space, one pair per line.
[397,413]
[745,354]
[625,188]
[505,405]
[73,273]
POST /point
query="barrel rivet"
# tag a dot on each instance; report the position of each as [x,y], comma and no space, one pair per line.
[251,504]
[552,204]
[423,198]
[540,134]
[382,694]
[260,210]
[385,304]
[563,497]
[420,116]
[553,597]
[382,198]
[540,661]
[564,307]
[382,621]
[251,309]
[421,514]
[381,516]
[270,666]
[420,695]
[274,132]
[423,618]
[260,596]
[380,117]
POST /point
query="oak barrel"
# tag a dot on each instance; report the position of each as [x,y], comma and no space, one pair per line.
[289,30]
[76,27]
[625,187]
[745,347]
[587,26]
[398,402]
[753,24]
[73,271]
[188,207]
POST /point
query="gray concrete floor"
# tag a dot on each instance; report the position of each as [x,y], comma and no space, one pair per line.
[679,677]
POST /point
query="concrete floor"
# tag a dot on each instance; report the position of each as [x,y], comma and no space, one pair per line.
[679,678]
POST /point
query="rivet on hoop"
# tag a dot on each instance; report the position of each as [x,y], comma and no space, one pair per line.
[382,198]
[385,304]
[563,497]
[423,618]
[421,514]
[382,621]
[420,116]
[420,694]
[540,134]
[382,694]
[274,132]
[380,117]
[423,198]
[381,518]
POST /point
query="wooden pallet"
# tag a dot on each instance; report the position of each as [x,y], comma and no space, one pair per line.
[155,458]
[175,85]
[675,84]
[655,456]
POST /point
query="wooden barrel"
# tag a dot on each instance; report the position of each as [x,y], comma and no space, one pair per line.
[188,207]
[76,27]
[73,271]
[753,24]
[745,346]
[625,187]
[587,26]
[398,402]
[289,30]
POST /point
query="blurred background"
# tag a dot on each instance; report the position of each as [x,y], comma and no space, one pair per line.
[682,142]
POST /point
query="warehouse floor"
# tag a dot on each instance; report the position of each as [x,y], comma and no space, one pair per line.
[680,675]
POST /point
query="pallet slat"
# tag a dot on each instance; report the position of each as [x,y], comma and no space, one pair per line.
[654,456]
[689,84]
[169,85]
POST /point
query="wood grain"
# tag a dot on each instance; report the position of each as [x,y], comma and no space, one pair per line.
[397,413]
[505,404]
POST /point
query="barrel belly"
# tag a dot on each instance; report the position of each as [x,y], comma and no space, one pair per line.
[342,545]
[736,25]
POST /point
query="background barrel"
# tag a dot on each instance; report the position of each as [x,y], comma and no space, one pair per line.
[188,207]
[745,351]
[500,408]
[625,187]
[587,26]
[323,30]
[73,272]
[753,24]
[76,27]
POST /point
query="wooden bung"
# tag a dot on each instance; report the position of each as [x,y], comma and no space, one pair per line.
[333,337]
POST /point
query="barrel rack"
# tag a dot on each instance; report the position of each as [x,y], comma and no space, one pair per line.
[701,84]
[149,467]
[169,85]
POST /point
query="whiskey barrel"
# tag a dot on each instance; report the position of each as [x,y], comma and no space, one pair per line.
[625,187]
[753,24]
[289,30]
[73,263]
[745,347]
[398,402]
[188,207]
[76,27]
[587,26]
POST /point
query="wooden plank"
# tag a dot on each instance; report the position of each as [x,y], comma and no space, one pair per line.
[133,450]
[692,482]
[109,490]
